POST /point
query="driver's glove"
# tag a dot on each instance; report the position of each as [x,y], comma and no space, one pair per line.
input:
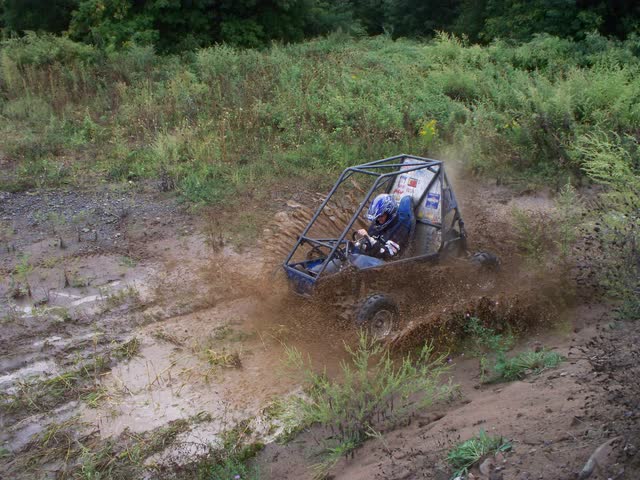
[391,248]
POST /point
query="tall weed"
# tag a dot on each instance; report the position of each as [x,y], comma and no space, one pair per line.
[311,109]
[614,161]
[372,389]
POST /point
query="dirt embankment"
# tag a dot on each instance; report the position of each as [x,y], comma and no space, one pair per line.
[555,421]
[141,325]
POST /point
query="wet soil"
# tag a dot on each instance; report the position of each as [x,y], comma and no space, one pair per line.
[164,324]
[554,421]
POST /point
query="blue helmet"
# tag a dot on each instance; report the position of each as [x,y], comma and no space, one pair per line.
[383,203]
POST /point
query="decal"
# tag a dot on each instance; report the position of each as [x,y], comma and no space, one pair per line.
[433,200]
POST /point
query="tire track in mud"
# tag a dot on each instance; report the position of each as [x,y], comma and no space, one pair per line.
[199,293]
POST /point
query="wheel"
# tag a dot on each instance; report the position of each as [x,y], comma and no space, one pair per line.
[378,314]
[485,260]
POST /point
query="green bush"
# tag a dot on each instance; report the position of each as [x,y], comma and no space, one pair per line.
[516,368]
[465,454]
[373,388]
[492,347]
[42,50]
[311,109]
[614,161]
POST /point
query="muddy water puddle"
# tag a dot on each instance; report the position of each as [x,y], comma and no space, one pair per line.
[226,362]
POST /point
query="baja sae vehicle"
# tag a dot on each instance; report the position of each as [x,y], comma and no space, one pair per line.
[335,263]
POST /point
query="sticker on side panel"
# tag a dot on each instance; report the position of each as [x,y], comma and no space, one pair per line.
[433,200]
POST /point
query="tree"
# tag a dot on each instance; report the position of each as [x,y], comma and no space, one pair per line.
[175,25]
[471,18]
[38,15]
[417,18]
[521,20]
[620,17]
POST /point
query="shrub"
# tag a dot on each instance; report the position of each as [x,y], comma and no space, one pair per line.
[534,231]
[372,389]
[465,454]
[614,161]
[516,368]
[492,347]
[312,108]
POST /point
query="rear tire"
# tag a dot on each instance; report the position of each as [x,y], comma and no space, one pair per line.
[378,314]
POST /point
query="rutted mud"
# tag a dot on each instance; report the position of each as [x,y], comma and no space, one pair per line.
[176,326]
[207,324]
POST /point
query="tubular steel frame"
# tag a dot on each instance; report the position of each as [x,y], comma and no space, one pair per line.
[400,166]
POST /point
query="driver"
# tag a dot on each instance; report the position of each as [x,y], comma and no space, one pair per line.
[390,228]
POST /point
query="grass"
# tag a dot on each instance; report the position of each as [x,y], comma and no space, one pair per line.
[12,313]
[229,334]
[222,358]
[462,457]
[19,280]
[373,390]
[223,121]
[81,382]
[533,234]
[516,368]
[167,337]
[127,262]
[491,348]
[286,418]
[231,459]
[84,455]
[127,350]
[128,295]
[93,398]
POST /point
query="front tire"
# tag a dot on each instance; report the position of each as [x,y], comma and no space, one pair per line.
[378,315]
[485,261]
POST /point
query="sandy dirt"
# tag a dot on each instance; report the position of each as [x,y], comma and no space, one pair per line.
[163,323]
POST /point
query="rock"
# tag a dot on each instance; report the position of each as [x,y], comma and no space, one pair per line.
[281,217]
[599,459]
[487,466]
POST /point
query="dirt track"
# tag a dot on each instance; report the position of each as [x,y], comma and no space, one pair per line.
[209,329]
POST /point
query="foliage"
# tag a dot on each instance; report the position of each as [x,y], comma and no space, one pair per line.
[568,219]
[465,454]
[226,121]
[521,20]
[372,389]
[486,339]
[230,460]
[174,25]
[534,231]
[516,368]
[614,161]
[50,16]
[491,348]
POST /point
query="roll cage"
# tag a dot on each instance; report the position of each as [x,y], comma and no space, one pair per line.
[438,223]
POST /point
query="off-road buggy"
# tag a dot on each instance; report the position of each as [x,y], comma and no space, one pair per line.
[327,264]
